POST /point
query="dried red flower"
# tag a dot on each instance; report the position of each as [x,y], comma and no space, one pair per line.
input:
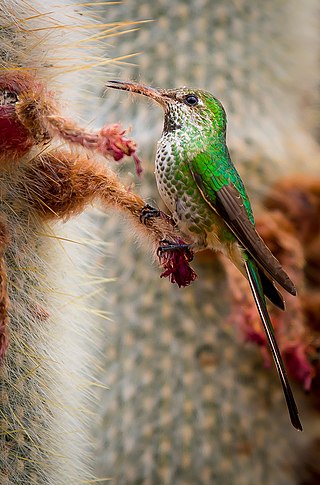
[176,261]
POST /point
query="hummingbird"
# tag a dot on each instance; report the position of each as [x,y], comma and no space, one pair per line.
[208,201]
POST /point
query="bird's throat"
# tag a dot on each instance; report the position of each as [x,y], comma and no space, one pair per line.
[170,125]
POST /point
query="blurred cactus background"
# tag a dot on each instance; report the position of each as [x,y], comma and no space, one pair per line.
[189,400]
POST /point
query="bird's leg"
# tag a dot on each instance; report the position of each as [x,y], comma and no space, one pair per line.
[148,212]
[166,246]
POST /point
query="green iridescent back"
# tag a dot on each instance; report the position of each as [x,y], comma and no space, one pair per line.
[197,135]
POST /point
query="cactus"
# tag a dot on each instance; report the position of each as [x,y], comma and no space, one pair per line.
[47,385]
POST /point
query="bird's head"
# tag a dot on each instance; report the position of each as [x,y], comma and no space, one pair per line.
[184,108]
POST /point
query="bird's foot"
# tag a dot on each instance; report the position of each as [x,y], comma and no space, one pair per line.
[148,212]
[166,246]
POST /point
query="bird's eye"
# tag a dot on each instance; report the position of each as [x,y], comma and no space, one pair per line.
[191,100]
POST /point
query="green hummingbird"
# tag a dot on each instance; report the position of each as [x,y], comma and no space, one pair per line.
[207,199]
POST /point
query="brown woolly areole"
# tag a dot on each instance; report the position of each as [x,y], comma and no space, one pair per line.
[34,118]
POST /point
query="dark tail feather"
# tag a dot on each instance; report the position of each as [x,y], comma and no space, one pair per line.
[257,291]
[270,291]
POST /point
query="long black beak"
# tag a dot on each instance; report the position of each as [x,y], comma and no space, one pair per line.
[148,91]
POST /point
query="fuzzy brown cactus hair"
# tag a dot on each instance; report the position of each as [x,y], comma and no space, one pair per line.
[50,170]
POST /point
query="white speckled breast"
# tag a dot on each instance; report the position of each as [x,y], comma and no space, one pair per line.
[165,174]
[178,189]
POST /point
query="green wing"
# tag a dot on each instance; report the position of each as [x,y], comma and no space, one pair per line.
[216,171]
[222,188]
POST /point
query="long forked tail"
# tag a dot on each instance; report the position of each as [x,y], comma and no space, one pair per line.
[257,291]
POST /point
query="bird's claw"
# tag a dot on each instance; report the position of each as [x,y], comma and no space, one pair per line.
[148,212]
[166,246]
